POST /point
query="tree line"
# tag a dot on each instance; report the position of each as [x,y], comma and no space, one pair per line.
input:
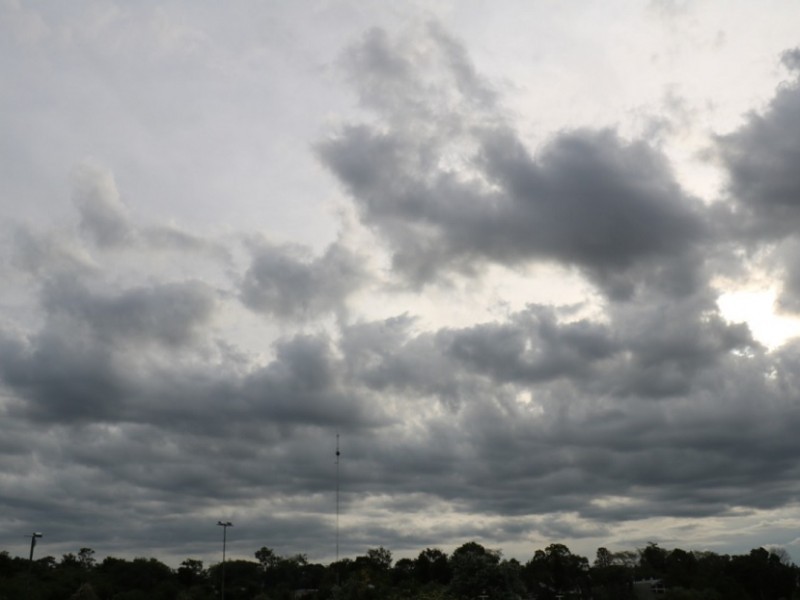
[470,572]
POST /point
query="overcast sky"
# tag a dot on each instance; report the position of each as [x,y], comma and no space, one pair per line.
[537,263]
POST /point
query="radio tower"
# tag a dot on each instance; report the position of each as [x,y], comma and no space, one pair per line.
[337,500]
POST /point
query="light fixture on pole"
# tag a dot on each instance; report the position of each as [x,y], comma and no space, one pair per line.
[224,525]
[34,535]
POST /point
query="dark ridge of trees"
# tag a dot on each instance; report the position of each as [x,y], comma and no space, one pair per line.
[471,572]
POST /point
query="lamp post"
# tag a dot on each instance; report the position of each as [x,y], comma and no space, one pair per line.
[224,525]
[34,535]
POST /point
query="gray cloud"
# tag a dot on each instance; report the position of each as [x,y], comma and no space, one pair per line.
[105,220]
[533,422]
[62,378]
[669,345]
[533,347]
[760,158]
[139,401]
[77,366]
[103,217]
[791,59]
[38,254]
[789,298]
[171,238]
[304,385]
[286,282]
[168,313]
[386,73]
[762,212]
[588,199]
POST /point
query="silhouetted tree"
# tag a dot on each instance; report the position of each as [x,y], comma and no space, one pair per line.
[403,575]
[380,557]
[475,572]
[652,562]
[680,569]
[191,573]
[242,578]
[86,558]
[432,566]
[610,577]
[603,558]
[471,572]
[555,572]
[763,576]
[267,558]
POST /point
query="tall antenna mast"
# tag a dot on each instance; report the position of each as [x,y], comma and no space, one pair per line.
[337,497]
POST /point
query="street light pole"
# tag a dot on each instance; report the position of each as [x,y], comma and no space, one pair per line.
[34,535]
[224,525]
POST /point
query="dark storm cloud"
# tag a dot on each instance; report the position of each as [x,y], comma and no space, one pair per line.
[73,368]
[305,385]
[669,345]
[169,313]
[577,437]
[151,488]
[268,430]
[62,378]
[652,349]
[761,158]
[593,198]
[384,356]
[588,198]
[528,463]
[66,373]
[146,438]
[285,281]
[533,347]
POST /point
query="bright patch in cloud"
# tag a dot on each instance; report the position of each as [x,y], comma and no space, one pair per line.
[757,309]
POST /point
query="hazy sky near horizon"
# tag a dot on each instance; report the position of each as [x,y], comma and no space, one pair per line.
[537,263]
